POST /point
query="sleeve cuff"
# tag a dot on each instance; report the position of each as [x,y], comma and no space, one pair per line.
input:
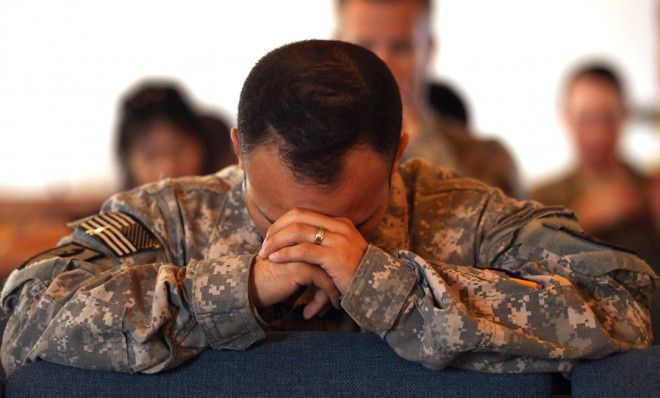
[221,302]
[379,289]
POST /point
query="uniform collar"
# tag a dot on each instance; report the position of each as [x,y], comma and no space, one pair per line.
[236,220]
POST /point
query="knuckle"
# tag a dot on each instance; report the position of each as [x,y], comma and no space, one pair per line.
[298,227]
[305,249]
[288,251]
[342,240]
[346,222]
[346,227]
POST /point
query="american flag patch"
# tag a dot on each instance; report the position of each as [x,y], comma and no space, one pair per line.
[119,232]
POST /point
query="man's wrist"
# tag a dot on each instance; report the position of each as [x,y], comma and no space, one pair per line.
[378,290]
[220,298]
[253,297]
[255,305]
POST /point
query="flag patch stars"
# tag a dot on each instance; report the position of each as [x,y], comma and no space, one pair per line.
[119,232]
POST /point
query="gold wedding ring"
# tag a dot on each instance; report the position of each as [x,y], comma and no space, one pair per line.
[319,235]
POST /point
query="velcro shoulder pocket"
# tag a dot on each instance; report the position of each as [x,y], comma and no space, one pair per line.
[68,251]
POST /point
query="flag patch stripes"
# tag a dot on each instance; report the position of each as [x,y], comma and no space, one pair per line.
[119,232]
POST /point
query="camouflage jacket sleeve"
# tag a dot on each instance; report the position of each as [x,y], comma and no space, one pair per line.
[86,305]
[538,299]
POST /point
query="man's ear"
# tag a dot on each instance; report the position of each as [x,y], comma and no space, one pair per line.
[236,146]
[403,144]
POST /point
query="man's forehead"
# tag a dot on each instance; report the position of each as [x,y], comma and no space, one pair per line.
[588,92]
[278,189]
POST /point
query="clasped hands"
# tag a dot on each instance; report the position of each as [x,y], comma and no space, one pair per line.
[289,259]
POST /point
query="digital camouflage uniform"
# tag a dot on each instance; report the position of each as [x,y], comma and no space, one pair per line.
[447,143]
[434,283]
[636,233]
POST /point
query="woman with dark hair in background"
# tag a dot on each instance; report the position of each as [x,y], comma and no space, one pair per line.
[160,136]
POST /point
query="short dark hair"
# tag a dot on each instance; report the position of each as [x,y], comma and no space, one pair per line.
[317,99]
[597,70]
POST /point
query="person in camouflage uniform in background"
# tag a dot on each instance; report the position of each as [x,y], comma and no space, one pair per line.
[400,33]
[611,197]
[320,227]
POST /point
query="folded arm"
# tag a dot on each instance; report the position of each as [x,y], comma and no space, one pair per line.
[81,305]
[591,301]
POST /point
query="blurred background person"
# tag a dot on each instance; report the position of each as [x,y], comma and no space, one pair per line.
[399,32]
[610,197]
[612,200]
[160,135]
[217,131]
